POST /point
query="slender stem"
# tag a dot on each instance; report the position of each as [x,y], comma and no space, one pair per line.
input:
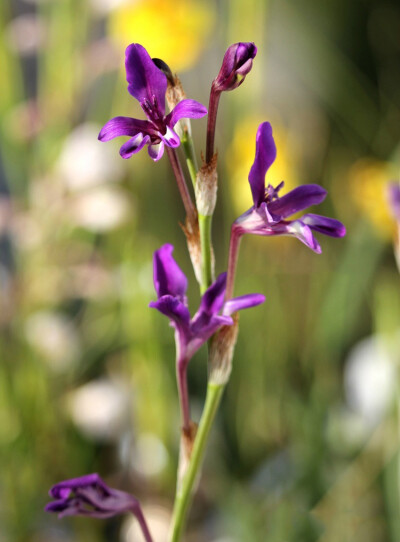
[182,186]
[184,494]
[232,261]
[137,511]
[206,257]
[211,121]
[181,377]
[188,149]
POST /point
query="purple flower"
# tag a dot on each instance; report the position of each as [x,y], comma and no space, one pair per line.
[90,496]
[270,212]
[191,333]
[237,63]
[394,199]
[148,84]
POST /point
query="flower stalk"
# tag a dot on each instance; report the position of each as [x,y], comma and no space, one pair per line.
[206,252]
[234,245]
[184,493]
[182,186]
[190,155]
[211,123]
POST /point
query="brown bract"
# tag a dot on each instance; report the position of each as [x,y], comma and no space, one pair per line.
[221,352]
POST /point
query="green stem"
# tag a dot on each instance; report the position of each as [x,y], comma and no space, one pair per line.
[188,149]
[206,254]
[184,494]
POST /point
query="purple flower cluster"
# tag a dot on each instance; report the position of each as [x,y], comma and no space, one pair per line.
[89,496]
[270,213]
[191,333]
[148,84]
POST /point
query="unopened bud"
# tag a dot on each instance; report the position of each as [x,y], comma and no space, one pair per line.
[221,352]
[206,187]
[237,63]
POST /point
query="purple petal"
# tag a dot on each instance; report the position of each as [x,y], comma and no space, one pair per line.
[170,138]
[134,145]
[63,489]
[265,156]
[325,225]
[296,200]
[123,126]
[168,277]
[242,302]
[156,151]
[304,234]
[186,109]
[203,327]
[393,191]
[179,315]
[213,297]
[145,80]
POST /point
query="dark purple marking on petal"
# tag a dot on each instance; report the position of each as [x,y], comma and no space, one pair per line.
[134,145]
[170,138]
[145,80]
[169,279]
[185,109]
[325,225]
[123,126]
[242,302]
[296,200]
[265,156]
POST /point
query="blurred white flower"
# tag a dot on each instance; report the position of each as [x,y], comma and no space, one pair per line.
[27,231]
[86,162]
[26,34]
[158,519]
[55,338]
[147,455]
[101,209]
[370,379]
[100,409]
[102,7]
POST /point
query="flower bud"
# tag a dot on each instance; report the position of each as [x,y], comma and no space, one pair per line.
[237,63]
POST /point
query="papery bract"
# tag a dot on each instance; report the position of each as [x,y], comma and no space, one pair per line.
[148,84]
[270,212]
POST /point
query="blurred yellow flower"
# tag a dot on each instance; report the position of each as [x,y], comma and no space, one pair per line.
[368,180]
[176,31]
[240,157]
